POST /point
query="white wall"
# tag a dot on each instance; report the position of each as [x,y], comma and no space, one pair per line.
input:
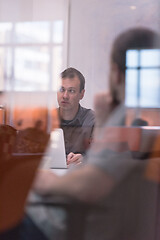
[32,10]
[93,26]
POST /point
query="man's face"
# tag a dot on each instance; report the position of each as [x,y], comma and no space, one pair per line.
[69,94]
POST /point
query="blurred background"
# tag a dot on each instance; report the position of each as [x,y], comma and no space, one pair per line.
[40,38]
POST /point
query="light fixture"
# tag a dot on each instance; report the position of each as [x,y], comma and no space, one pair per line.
[133,7]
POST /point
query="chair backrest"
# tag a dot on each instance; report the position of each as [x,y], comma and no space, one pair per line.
[16,179]
[153,167]
[17,171]
[31,140]
[138,140]
[7,140]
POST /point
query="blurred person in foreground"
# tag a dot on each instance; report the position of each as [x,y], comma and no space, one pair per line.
[111,178]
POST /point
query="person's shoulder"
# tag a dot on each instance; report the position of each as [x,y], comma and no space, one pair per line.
[86,111]
[88,116]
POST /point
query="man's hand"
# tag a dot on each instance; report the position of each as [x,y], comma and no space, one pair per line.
[73,158]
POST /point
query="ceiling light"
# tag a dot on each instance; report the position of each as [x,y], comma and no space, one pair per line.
[133,7]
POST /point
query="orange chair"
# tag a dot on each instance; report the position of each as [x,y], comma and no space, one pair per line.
[118,139]
[17,172]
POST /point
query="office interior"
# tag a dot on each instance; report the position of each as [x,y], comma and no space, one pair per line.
[39,39]
[43,38]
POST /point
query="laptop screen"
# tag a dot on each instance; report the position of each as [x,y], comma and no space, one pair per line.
[55,156]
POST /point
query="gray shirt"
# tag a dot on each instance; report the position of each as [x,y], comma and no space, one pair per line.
[78,131]
[127,209]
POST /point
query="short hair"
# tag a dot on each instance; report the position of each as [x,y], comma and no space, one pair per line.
[139,122]
[136,38]
[71,73]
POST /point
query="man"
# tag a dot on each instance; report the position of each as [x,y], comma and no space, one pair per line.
[109,177]
[77,122]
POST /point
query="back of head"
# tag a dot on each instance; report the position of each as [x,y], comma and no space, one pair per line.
[139,122]
[136,38]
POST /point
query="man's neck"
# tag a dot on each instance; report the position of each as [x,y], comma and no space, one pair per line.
[68,114]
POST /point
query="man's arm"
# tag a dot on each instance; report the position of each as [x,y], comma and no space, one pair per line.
[88,184]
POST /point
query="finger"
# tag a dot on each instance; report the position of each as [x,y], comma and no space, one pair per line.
[70,155]
[75,159]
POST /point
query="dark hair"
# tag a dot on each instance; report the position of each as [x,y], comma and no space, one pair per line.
[137,38]
[71,73]
[139,122]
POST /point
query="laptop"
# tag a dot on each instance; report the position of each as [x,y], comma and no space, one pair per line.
[55,156]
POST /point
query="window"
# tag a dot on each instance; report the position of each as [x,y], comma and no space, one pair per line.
[31,55]
[143,78]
